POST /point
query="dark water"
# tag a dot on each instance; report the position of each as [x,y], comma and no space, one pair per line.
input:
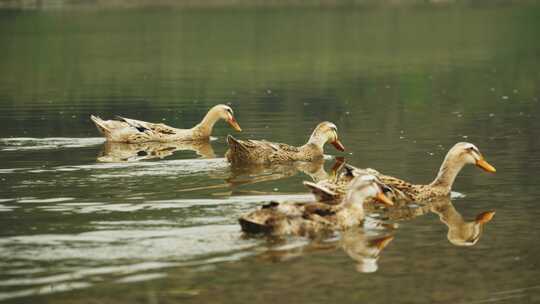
[402,82]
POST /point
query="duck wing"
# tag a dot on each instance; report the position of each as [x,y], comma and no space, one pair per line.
[323,192]
[319,209]
[143,126]
[259,151]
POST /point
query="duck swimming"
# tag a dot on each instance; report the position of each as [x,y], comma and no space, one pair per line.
[308,219]
[265,152]
[136,131]
[458,156]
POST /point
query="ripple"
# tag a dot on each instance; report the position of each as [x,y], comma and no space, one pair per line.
[136,169]
[5,208]
[29,143]
[141,277]
[53,288]
[105,245]
[46,200]
[101,207]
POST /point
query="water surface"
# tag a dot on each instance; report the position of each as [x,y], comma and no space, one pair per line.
[403,83]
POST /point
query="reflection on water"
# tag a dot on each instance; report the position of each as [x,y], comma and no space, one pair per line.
[364,249]
[159,223]
[123,152]
[460,231]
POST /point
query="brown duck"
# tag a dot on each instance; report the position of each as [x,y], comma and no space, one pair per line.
[265,152]
[309,219]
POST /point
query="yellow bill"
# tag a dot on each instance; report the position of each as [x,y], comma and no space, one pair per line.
[232,122]
[485,166]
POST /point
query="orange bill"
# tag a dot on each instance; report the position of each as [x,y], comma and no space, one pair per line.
[338,145]
[232,122]
[485,217]
[382,242]
[485,165]
[384,199]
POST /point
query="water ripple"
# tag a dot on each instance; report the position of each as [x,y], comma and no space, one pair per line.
[29,143]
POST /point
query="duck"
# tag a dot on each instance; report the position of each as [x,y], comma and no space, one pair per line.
[460,155]
[313,218]
[128,130]
[265,152]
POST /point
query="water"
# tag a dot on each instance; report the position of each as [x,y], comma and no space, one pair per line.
[82,221]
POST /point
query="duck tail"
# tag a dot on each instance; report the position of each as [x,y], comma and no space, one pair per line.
[321,193]
[236,145]
[253,227]
[100,124]
[349,170]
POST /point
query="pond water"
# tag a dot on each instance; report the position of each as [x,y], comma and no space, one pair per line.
[403,83]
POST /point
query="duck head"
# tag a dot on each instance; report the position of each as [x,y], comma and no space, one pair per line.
[226,113]
[467,153]
[326,132]
[367,186]
[459,155]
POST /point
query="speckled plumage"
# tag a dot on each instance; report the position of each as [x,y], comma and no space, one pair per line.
[457,157]
[265,152]
[308,219]
[128,130]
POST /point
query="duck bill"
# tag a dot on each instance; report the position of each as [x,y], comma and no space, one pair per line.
[384,199]
[382,242]
[485,166]
[485,217]
[232,122]
[338,145]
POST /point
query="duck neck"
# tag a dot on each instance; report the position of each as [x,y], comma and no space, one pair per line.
[447,174]
[206,125]
[448,214]
[354,203]
[317,140]
[315,144]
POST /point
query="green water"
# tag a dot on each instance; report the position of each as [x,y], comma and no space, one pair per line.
[403,83]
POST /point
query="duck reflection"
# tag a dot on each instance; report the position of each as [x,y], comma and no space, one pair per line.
[251,174]
[363,249]
[461,232]
[123,152]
